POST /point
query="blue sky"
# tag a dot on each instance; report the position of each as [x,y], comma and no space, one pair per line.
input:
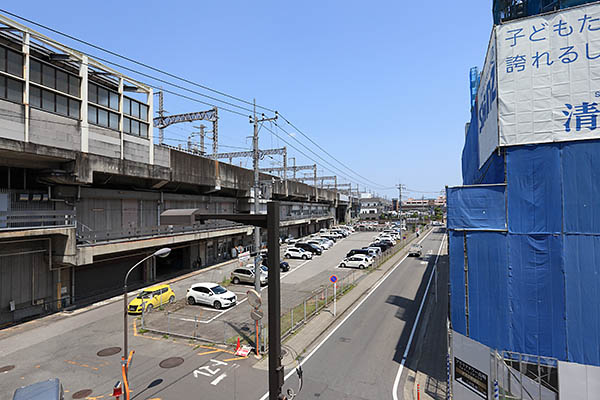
[382,86]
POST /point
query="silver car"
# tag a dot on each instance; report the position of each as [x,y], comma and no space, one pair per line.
[246,275]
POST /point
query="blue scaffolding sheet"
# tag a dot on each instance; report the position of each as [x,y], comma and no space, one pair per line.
[476,207]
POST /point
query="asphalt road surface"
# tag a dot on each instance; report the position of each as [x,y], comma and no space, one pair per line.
[360,360]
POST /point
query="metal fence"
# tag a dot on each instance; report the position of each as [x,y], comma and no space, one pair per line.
[209,326]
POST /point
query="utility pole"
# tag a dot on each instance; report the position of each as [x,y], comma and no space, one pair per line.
[161,114]
[202,139]
[216,131]
[257,259]
[399,186]
[255,161]
[294,169]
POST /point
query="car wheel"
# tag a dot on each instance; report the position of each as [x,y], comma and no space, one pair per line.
[191,300]
[236,280]
[149,307]
[171,299]
[342,265]
[304,257]
[361,266]
[287,256]
[217,305]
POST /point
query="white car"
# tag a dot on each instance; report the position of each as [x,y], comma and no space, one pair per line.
[296,252]
[211,294]
[318,243]
[373,251]
[326,242]
[387,237]
[355,261]
[368,258]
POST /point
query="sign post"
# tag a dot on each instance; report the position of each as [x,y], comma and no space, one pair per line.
[333,280]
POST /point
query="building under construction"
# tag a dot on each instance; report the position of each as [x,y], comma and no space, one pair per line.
[524,229]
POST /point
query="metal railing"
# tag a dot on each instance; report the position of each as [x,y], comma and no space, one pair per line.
[36,219]
[90,236]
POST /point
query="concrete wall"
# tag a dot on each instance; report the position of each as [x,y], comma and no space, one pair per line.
[54,130]
[12,125]
[162,156]
[203,171]
[105,142]
[136,149]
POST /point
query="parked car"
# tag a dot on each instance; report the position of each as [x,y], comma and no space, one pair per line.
[389,238]
[357,251]
[152,297]
[211,294]
[331,237]
[246,275]
[388,242]
[373,251]
[283,265]
[368,259]
[324,243]
[381,245]
[296,252]
[415,250]
[310,247]
[354,261]
[50,389]
[318,244]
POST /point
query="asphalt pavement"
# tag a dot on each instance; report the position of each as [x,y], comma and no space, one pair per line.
[361,358]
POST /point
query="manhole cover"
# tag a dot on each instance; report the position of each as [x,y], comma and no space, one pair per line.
[110,351]
[171,362]
[82,394]
[6,368]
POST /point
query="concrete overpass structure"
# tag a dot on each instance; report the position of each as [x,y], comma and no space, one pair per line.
[83,184]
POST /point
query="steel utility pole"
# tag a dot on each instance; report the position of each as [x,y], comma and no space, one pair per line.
[255,160]
[399,186]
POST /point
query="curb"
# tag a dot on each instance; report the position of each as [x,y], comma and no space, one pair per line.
[384,268]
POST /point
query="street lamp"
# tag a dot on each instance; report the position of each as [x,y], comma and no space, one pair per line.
[165,251]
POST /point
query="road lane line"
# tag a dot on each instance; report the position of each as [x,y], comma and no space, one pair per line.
[209,352]
[414,328]
[383,279]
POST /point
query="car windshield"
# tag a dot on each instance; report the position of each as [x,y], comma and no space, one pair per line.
[218,289]
[144,295]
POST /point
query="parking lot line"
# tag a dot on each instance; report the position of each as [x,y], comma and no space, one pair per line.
[298,267]
[209,352]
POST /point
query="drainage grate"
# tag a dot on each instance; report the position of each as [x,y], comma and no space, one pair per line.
[110,351]
[171,362]
[6,368]
[82,394]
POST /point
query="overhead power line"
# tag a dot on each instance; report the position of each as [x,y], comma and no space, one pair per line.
[362,179]
[326,152]
[135,61]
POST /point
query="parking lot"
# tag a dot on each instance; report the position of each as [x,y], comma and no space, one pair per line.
[302,281]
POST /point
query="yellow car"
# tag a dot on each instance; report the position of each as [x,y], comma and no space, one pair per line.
[152,297]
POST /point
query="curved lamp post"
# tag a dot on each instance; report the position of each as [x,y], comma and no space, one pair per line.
[165,251]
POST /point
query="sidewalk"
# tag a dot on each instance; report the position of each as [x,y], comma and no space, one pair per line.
[300,343]
[426,366]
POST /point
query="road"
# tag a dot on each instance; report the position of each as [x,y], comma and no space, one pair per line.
[360,360]
[66,345]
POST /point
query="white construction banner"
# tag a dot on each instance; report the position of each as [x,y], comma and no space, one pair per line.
[549,77]
[487,105]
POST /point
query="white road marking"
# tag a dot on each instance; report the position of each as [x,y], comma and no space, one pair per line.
[424,263]
[218,379]
[293,371]
[292,270]
[414,328]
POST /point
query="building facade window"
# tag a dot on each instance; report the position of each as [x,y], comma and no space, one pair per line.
[54,78]
[136,117]
[48,100]
[104,100]
[11,62]
[11,89]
